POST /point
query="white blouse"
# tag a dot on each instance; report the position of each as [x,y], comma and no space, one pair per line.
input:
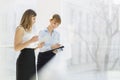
[27,36]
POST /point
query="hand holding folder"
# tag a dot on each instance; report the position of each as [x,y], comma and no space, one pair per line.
[57,48]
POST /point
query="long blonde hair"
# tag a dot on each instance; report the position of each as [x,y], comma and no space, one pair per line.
[26,20]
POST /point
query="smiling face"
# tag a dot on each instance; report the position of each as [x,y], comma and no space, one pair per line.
[54,23]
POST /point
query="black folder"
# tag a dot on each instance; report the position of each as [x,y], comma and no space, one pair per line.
[57,48]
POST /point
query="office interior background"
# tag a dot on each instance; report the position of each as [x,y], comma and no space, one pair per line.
[90,32]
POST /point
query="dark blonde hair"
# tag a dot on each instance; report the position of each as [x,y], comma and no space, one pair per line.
[26,20]
[57,18]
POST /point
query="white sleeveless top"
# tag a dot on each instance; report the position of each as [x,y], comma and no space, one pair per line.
[27,36]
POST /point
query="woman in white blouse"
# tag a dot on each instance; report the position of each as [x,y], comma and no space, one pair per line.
[24,42]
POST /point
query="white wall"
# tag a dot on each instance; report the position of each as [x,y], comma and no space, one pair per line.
[92,30]
[45,10]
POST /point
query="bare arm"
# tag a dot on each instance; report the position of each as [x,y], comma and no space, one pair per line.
[18,44]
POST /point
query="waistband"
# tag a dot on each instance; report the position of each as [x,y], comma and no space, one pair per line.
[27,49]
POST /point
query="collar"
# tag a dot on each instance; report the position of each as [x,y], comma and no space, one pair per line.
[46,30]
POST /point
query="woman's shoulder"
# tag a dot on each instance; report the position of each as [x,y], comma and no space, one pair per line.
[42,31]
[20,29]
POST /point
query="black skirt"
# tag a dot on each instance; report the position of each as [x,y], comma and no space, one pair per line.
[43,59]
[25,67]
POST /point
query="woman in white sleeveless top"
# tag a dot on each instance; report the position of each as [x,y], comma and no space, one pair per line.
[25,43]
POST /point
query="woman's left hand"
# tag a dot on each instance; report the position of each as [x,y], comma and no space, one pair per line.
[40,45]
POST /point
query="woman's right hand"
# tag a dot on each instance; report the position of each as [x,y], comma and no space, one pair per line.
[57,45]
[34,39]
[40,45]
